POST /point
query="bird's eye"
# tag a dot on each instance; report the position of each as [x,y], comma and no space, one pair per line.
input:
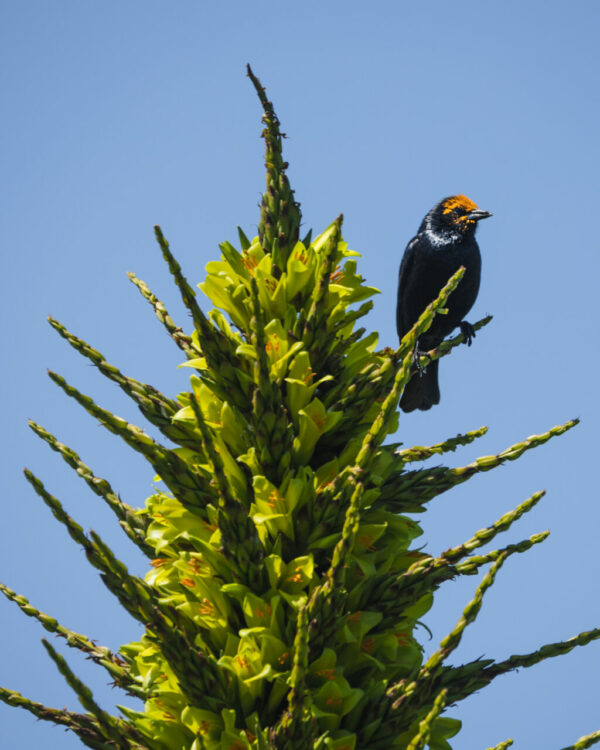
[458,210]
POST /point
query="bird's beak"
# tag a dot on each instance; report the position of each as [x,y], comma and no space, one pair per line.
[478,214]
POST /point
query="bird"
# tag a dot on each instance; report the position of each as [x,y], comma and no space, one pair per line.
[444,242]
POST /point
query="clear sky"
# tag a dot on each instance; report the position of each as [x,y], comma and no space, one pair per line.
[119,115]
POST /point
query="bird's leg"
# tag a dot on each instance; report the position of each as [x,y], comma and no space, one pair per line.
[417,354]
[467,331]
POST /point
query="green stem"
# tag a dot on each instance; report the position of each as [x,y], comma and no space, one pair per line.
[157,408]
[326,604]
[409,491]
[486,535]
[469,678]
[418,453]
[183,341]
[188,295]
[187,484]
[452,640]
[101,655]
[108,725]
[83,726]
[379,427]
[297,728]
[421,739]
[472,564]
[391,595]
[585,742]
[280,216]
[446,346]
[133,525]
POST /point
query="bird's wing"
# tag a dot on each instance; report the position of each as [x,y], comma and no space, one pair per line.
[402,324]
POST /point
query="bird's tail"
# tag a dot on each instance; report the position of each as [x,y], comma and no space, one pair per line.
[422,391]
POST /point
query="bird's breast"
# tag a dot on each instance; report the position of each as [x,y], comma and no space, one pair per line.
[433,266]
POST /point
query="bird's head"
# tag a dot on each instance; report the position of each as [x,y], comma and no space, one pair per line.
[456,215]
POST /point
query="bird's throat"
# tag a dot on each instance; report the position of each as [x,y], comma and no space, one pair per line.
[441,238]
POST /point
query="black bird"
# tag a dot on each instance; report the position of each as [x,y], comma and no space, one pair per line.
[445,241]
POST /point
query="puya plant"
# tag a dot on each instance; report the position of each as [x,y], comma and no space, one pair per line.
[285,586]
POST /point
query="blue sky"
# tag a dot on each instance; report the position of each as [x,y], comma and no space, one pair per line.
[118,116]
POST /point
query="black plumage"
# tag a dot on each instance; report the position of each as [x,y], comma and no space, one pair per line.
[445,241]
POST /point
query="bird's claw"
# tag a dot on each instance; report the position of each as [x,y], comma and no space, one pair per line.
[417,354]
[468,331]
